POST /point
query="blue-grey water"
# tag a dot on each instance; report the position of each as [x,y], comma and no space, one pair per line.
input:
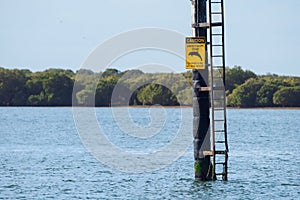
[42,157]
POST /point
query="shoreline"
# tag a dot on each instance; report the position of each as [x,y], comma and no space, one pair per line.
[155,106]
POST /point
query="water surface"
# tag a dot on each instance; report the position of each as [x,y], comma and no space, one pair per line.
[42,157]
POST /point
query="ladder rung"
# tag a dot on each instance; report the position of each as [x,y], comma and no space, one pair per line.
[217,45]
[218,109]
[216,13]
[220,163]
[220,152]
[216,2]
[207,25]
[217,34]
[216,24]
[219,131]
[217,56]
[218,66]
[219,174]
[211,153]
[220,142]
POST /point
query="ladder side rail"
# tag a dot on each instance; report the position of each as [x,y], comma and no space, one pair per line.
[212,91]
[225,177]
[224,75]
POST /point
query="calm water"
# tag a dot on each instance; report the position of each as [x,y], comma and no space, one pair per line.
[42,157]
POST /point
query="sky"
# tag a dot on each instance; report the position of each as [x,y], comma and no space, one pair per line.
[261,35]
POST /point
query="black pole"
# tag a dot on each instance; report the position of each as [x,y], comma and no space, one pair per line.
[201,123]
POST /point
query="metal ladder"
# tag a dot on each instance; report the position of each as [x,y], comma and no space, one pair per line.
[219,152]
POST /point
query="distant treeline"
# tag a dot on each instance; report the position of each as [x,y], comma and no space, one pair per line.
[54,87]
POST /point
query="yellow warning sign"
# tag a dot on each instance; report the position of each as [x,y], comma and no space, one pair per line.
[195,52]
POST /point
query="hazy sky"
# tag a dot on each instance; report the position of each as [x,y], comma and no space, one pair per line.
[261,35]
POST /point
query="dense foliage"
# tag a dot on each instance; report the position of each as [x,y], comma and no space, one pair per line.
[57,87]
